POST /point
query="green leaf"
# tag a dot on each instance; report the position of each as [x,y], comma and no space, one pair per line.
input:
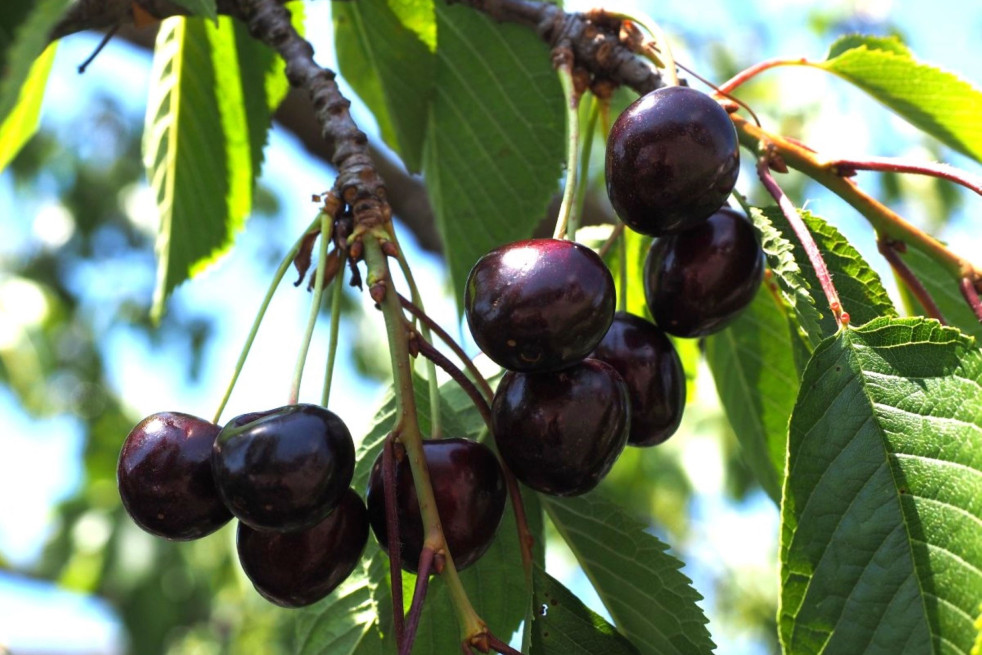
[339,624]
[24,29]
[860,290]
[881,545]
[385,50]
[753,364]
[206,8]
[936,101]
[562,625]
[650,600]
[210,107]
[21,123]
[944,290]
[496,141]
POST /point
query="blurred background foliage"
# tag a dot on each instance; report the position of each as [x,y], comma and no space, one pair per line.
[79,265]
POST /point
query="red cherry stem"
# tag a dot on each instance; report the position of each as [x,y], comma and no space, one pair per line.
[525,538]
[327,222]
[891,252]
[407,422]
[744,75]
[805,237]
[848,167]
[256,322]
[419,595]
[883,219]
[971,295]
[445,337]
[392,531]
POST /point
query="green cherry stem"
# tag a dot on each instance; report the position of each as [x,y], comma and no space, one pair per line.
[434,385]
[274,283]
[586,151]
[572,147]
[622,272]
[407,419]
[332,349]
[315,306]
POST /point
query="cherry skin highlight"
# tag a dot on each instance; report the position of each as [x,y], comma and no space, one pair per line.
[283,469]
[672,159]
[561,432]
[697,281]
[646,359]
[165,480]
[539,305]
[293,569]
[469,488]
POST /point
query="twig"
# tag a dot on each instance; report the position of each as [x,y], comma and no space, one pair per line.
[889,250]
[807,242]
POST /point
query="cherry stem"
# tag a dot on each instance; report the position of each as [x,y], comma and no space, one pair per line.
[419,595]
[744,75]
[410,436]
[891,252]
[332,348]
[564,67]
[805,237]
[418,312]
[883,219]
[584,166]
[525,538]
[434,385]
[971,296]
[274,283]
[615,234]
[622,272]
[392,531]
[651,46]
[846,167]
[315,307]
[501,646]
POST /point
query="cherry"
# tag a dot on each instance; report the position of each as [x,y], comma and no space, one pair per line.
[672,159]
[164,476]
[294,569]
[653,373]
[561,432]
[539,305]
[283,469]
[470,498]
[697,281]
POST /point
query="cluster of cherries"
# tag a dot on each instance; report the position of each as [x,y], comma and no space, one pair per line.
[284,474]
[582,380]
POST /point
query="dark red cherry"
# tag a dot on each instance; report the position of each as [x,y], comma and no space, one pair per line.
[164,476]
[470,498]
[283,469]
[652,371]
[697,281]
[298,568]
[539,305]
[672,160]
[561,432]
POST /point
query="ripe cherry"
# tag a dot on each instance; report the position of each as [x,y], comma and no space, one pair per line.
[672,160]
[561,432]
[298,568]
[165,480]
[652,371]
[539,305]
[470,498]
[697,281]
[283,469]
